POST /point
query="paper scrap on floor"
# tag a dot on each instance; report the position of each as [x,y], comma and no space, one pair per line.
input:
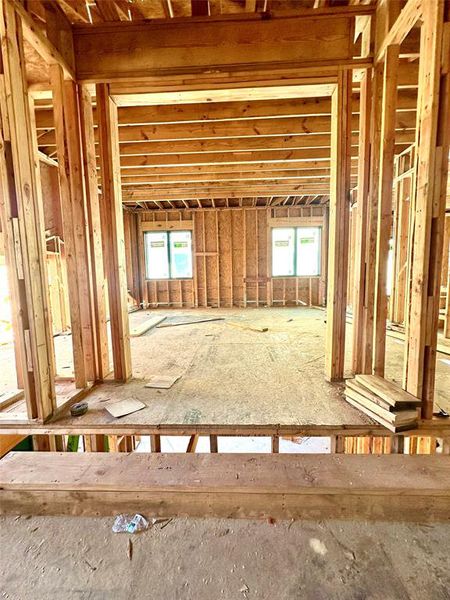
[124,407]
[162,381]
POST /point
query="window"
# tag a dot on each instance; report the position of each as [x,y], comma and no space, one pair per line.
[296,251]
[168,254]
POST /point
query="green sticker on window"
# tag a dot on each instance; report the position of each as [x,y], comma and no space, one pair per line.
[307,240]
[180,244]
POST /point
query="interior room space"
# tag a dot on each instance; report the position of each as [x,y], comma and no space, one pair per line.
[225,293]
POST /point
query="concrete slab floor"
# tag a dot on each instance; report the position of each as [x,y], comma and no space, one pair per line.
[46,558]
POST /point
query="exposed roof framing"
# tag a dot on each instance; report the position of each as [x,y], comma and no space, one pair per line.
[98,11]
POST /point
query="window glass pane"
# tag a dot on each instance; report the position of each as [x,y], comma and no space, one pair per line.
[283,250]
[308,251]
[156,257]
[180,254]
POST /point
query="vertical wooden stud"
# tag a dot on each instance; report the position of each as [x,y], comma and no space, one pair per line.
[112,232]
[338,227]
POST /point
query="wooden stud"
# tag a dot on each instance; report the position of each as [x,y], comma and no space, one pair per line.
[73,211]
[384,220]
[113,233]
[338,229]
[429,209]
[22,208]
[95,233]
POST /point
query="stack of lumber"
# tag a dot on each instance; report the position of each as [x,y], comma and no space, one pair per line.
[383,401]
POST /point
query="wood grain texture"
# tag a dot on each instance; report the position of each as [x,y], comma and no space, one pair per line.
[361,486]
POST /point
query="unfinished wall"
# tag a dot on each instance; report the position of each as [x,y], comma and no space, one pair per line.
[232,258]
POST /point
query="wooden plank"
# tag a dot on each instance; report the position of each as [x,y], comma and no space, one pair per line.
[214,111]
[9,398]
[95,234]
[192,322]
[384,220]
[192,444]
[395,418]
[186,224]
[137,139]
[375,398]
[73,210]
[22,205]
[338,230]
[389,391]
[113,234]
[367,348]
[412,424]
[429,211]
[351,486]
[362,210]
[146,326]
[8,442]
[127,51]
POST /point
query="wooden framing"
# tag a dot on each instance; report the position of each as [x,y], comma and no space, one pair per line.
[239,163]
[95,233]
[140,51]
[22,219]
[384,219]
[338,229]
[70,165]
[229,270]
[113,233]
[429,207]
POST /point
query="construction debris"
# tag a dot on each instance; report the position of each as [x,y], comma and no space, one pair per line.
[383,401]
[248,326]
[163,382]
[124,407]
[191,322]
[146,326]
[78,409]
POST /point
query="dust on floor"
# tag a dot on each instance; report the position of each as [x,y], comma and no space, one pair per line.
[45,558]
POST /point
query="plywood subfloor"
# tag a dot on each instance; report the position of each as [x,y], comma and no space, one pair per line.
[230,375]
[236,376]
[205,559]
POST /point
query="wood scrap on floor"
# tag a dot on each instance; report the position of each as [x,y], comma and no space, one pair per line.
[191,322]
[384,401]
[162,381]
[248,326]
[146,326]
[124,407]
[8,398]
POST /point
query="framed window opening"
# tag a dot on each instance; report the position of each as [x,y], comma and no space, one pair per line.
[168,255]
[296,251]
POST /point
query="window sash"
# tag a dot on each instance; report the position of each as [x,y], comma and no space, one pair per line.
[164,255]
[303,251]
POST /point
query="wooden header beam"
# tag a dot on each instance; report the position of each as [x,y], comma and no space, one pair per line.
[128,51]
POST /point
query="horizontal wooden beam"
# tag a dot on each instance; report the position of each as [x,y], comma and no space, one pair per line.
[131,197]
[263,176]
[237,168]
[127,51]
[398,487]
[246,144]
[240,128]
[259,109]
